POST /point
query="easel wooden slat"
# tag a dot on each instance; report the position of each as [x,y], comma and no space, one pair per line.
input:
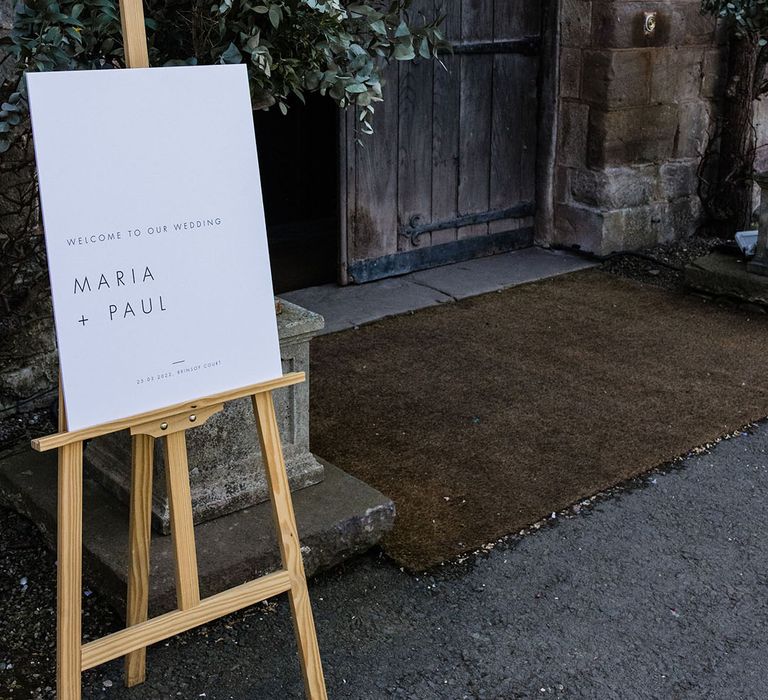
[139,537]
[182,531]
[51,442]
[290,549]
[172,623]
[142,447]
[69,571]
[134,33]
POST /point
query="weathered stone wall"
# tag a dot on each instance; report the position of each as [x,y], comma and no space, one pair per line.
[28,366]
[635,115]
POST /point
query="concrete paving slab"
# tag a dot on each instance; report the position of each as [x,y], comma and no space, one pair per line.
[483,275]
[336,518]
[347,307]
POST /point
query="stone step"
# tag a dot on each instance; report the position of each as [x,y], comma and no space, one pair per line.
[337,518]
[726,276]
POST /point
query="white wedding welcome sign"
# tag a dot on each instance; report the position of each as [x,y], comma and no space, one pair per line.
[154,227]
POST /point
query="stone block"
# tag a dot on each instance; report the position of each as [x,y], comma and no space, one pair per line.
[632,136]
[695,126]
[713,73]
[572,135]
[30,361]
[570,73]
[725,276]
[614,188]
[562,183]
[677,74]
[684,218]
[579,226]
[603,232]
[576,23]
[692,27]
[761,129]
[226,468]
[6,15]
[634,227]
[619,24]
[679,178]
[617,78]
[722,33]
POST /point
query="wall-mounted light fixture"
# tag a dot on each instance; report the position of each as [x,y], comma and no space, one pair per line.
[649,23]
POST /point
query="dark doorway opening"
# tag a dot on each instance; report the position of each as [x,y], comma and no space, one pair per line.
[298,159]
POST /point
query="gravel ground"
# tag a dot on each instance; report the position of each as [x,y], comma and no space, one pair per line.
[661,265]
[656,590]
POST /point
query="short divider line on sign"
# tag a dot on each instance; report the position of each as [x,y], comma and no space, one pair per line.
[164,626]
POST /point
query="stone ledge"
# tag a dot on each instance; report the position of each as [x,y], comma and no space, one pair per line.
[725,276]
[337,518]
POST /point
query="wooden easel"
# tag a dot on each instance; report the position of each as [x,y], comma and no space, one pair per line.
[72,656]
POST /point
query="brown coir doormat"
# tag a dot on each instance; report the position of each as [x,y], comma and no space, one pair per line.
[480,417]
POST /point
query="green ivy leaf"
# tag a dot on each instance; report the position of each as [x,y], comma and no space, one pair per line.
[274,17]
[231,55]
[404,52]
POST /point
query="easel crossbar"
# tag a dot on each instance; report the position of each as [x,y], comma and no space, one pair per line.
[52,442]
[164,626]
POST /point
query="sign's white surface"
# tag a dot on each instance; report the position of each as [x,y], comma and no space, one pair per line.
[154,227]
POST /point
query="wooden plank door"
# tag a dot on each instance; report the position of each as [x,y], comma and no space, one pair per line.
[450,172]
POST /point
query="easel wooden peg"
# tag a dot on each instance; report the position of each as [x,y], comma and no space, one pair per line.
[172,423]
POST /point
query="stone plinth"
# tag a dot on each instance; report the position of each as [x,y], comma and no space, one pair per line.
[759,264]
[226,469]
[338,518]
[725,276]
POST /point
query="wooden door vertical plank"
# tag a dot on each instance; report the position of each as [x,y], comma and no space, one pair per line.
[415,137]
[347,187]
[69,572]
[518,18]
[507,118]
[290,549]
[445,130]
[139,535]
[530,25]
[513,134]
[475,115]
[182,530]
[373,228]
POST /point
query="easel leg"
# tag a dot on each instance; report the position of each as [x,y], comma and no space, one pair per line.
[182,530]
[290,549]
[138,550]
[69,573]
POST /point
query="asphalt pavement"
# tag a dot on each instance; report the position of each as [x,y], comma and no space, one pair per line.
[655,590]
[658,590]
